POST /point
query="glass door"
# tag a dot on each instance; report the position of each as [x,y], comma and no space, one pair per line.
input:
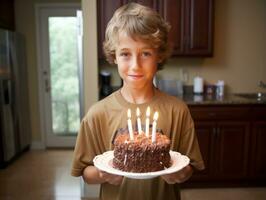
[59,29]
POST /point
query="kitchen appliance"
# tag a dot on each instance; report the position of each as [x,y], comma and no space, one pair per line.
[106,88]
[7,138]
[15,135]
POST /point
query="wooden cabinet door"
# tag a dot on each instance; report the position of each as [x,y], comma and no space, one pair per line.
[199,29]
[1,131]
[192,26]
[105,11]
[258,162]
[7,14]
[232,139]
[173,12]
[205,134]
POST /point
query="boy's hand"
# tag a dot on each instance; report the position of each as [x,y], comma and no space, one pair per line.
[111,178]
[180,176]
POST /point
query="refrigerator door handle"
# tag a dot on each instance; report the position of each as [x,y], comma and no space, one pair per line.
[6,92]
[47,85]
[46,81]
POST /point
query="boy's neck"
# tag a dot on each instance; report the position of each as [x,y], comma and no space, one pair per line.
[138,96]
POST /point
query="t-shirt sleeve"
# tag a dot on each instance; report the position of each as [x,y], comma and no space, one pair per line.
[86,148]
[189,144]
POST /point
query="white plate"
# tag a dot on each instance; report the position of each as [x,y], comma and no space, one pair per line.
[104,162]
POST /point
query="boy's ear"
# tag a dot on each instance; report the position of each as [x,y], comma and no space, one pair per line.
[115,61]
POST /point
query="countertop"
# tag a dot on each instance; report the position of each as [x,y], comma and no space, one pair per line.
[228,99]
[231,99]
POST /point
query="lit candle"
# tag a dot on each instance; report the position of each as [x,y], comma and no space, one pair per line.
[138,121]
[129,124]
[154,124]
[148,112]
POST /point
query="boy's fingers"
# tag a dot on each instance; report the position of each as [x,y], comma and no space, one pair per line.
[169,179]
[117,180]
[110,178]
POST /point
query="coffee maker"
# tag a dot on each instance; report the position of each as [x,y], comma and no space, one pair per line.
[105,83]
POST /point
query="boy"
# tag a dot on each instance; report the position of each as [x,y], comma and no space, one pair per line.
[136,41]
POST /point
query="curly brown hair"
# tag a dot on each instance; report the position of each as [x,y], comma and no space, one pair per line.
[139,22]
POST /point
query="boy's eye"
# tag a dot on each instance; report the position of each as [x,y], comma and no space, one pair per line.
[146,54]
[124,54]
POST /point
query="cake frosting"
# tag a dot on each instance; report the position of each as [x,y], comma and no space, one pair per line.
[141,154]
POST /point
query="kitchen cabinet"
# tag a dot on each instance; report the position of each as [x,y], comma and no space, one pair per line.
[223,133]
[232,139]
[192,26]
[191,22]
[105,11]
[206,142]
[259,150]
[258,144]
[7,15]
[1,130]
[231,150]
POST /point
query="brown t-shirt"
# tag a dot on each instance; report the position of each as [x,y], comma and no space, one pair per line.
[110,114]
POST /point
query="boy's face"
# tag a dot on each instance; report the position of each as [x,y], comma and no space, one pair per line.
[137,62]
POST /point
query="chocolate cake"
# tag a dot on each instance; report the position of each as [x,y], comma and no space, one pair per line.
[141,155]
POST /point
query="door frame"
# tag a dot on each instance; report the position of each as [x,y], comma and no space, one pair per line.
[42,144]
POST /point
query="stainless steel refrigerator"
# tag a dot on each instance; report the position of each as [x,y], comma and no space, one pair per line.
[15,134]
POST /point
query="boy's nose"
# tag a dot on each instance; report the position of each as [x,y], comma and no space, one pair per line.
[135,62]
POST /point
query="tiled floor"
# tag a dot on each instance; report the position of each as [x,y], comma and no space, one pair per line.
[40,175]
[44,175]
[225,194]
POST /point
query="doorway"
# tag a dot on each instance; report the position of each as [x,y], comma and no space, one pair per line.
[60,72]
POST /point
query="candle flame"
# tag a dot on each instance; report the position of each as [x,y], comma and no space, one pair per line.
[129,113]
[148,111]
[138,112]
[155,116]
